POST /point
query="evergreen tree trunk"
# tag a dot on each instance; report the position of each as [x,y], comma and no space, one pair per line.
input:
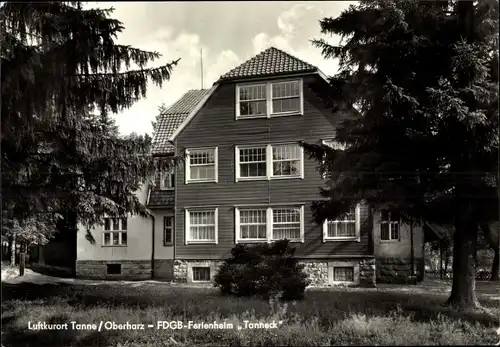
[13,251]
[495,266]
[463,292]
[22,259]
[492,240]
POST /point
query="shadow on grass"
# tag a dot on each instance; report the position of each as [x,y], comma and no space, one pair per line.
[422,307]
[328,305]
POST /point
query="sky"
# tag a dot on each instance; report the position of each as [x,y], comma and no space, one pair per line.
[228,34]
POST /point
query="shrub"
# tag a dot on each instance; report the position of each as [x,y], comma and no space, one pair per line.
[265,270]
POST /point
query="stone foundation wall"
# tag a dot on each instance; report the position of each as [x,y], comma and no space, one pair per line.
[319,271]
[367,273]
[164,270]
[130,269]
[398,270]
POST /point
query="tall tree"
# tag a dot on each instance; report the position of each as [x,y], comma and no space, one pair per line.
[426,139]
[62,74]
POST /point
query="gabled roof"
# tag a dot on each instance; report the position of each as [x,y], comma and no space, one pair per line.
[269,63]
[173,117]
[272,61]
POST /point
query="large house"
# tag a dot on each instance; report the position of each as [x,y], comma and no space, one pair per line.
[246,180]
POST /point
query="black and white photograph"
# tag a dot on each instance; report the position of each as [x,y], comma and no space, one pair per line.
[250,173]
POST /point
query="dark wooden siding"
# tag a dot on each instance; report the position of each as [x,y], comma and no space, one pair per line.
[215,125]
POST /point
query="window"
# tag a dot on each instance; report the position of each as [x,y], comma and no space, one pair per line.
[252,101]
[285,97]
[286,160]
[167,180]
[252,162]
[270,99]
[269,162]
[345,228]
[115,232]
[343,273]
[201,274]
[253,225]
[286,223]
[201,165]
[201,226]
[113,269]
[168,231]
[266,224]
[389,226]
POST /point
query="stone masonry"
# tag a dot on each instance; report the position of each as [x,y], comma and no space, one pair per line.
[182,269]
[398,271]
[367,273]
[130,269]
[317,271]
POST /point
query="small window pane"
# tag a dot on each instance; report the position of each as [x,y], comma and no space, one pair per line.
[113,269]
[286,105]
[124,224]
[116,224]
[384,231]
[107,238]
[107,224]
[116,238]
[343,273]
[395,231]
[124,239]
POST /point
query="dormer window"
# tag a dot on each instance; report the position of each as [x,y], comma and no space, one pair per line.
[271,99]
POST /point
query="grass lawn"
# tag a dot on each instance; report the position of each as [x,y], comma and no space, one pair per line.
[388,315]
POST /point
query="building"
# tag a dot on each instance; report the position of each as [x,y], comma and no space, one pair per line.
[245,180]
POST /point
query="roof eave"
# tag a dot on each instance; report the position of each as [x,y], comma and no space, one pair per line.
[270,76]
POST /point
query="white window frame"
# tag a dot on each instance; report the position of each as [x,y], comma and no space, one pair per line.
[390,223]
[238,87]
[201,281]
[331,272]
[112,231]
[357,237]
[269,163]
[170,174]
[237,152]
[269,222]
[269,99]
[190,273]
[188,151]
[187,226]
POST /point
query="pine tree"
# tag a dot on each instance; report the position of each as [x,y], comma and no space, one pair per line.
[426,139]
[62,75]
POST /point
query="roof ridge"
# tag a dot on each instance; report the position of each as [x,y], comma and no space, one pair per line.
[292,56]
[269,62]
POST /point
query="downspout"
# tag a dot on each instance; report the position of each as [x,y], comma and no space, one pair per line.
[153,247]
[152,237]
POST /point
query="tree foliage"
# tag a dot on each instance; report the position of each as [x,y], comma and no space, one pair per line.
[424,75]
[62,76]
